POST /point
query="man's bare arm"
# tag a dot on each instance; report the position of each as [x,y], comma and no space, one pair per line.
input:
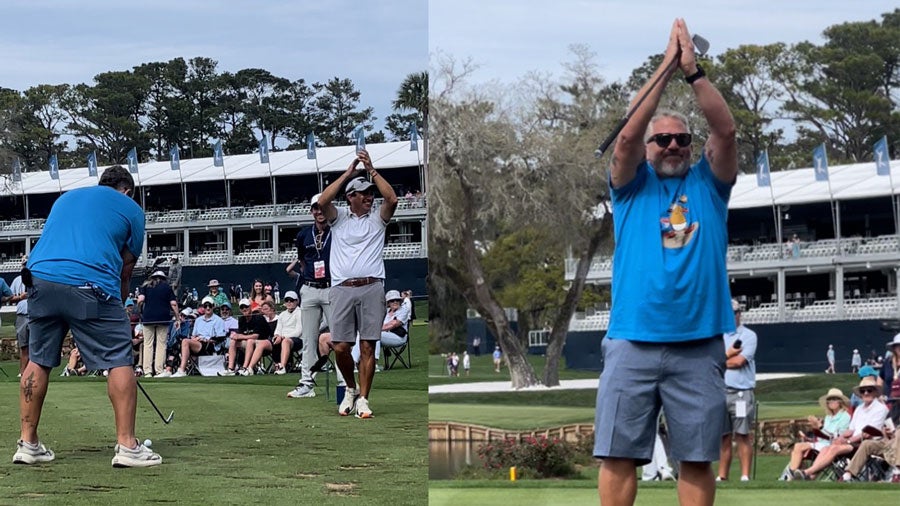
[128,263]
[331,192]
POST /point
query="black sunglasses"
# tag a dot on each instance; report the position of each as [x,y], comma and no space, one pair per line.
[207,305]
[663,140]
[290,300]
[867,390]
[245,307]
[226,308]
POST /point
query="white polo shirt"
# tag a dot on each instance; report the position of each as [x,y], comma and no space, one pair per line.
[357,246]
[288,324]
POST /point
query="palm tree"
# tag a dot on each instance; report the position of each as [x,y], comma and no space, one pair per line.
[413,95]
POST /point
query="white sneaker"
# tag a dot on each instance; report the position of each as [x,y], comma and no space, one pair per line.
[137,457]
[745,478]
[302,391]
[179,374]
[164,374]
[348,405]
[280,370]
[27,453]
[666,475]
[362,408]
[245,372]
[226,372]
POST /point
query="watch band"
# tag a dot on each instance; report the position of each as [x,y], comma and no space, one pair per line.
[696,75]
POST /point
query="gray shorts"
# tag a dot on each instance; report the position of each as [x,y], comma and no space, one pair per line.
[100,327]
[22,330]
[739,425]
[686,379]
[356,309]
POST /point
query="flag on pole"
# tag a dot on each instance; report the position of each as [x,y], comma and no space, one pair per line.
[413,137]
[311,146]
[263,150]
[133,161]
[762,170]
[92,163]
[17,170]
[820,162]
[360,135]
[174,161]
[54,167]
[882,159]
[218,156]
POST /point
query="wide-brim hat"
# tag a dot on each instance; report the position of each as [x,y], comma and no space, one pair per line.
[832,393]
[159,274]
[868,381]
[212,283]
[895,341]
[392,295]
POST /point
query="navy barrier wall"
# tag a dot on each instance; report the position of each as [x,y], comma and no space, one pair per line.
[402,274]
[783,347]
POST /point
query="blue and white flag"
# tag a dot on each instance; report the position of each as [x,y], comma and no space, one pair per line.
[92,163]
[820,162]
[133,161]
[174,161]
[882,158]
[413,137]
[17,170]
[218,156]
[263,150]
[762,170]
[311,146]
[360,134]
[54,167]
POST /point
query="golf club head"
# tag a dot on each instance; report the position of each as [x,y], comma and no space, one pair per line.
[701,45]
[170,417]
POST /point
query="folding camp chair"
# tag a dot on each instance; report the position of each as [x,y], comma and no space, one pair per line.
[392,354]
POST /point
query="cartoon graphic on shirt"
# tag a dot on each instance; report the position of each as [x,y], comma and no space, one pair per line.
[677,230]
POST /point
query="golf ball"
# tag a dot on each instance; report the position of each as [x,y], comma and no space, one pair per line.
[148,443]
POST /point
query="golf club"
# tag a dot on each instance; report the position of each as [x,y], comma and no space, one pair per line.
[701,45]
[164,419]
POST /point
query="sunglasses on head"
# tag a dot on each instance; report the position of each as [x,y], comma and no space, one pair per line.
[663,140]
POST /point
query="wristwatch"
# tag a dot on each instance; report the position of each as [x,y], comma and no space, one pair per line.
[696,75]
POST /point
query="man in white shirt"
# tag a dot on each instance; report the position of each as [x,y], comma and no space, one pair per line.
[357,275]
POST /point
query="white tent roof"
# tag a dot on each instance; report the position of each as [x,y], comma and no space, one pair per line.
[387,155]
[799,186]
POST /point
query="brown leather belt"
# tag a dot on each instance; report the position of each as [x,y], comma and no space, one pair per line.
[359,281]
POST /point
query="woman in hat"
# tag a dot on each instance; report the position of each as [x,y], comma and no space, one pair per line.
[837,419]
[219,296]
[890,375]
[158,303]
[871,413]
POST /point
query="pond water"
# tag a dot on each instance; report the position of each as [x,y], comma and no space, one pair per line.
[446,458]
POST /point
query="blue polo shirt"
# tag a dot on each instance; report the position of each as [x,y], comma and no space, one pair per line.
[669,277]
[84,236]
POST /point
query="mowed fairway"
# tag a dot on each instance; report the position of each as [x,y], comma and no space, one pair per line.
[233,441]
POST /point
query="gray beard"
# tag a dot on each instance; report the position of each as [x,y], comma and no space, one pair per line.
[673,170]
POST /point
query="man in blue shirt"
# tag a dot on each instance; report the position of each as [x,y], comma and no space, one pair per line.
[740,380]
[80,270]
[670,288]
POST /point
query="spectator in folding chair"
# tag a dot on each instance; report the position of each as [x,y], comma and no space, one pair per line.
[866,370]
[207,331]
[395,331]
[836,421]
[173,341]
[287,332]
[231,325]
[74,365]
[251,327]
[887,448]
[871,413]
[263,347]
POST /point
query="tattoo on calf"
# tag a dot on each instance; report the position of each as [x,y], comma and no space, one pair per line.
[28,388]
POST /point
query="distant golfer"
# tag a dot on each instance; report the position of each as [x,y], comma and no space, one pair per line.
[79,270]
[498,355]
[671,300]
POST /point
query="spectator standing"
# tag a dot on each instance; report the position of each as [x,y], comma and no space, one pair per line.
[18,290]
[855,361]
[158,304]
[740,380]
[175,274]
[314,285]
[80,270]
[498,355]
[663,349]
[357,274]
[467,362]
[829,355]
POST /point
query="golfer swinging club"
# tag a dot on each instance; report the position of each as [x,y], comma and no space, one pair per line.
[79,270]
[671,301]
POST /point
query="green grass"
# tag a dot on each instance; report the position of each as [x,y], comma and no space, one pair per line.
[483,370]
[233,441]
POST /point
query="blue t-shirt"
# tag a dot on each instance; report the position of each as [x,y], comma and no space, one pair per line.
[311,252]
[669,277]
[158,300]
[84,236]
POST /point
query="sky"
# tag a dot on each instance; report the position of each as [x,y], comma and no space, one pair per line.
[509,38]
[374,44]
